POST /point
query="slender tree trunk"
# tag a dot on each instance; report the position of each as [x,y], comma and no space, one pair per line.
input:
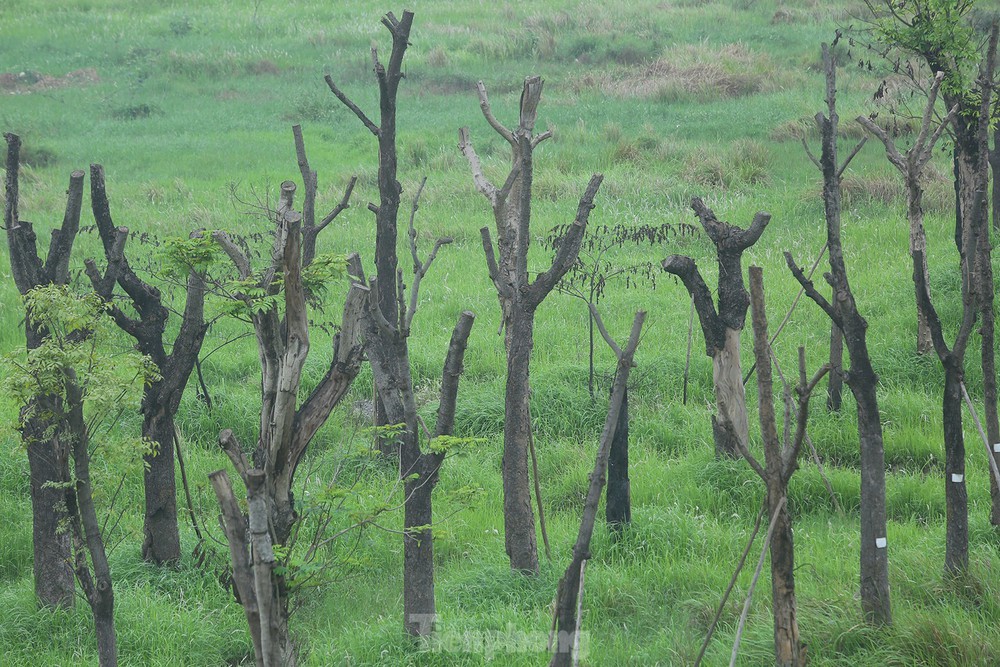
[730,425]
[787,648]
[835,386]
[419,610]
[875,603]
[519,533]
[107,641]
[161,541]
[956,555]
[618,508]
[48,463]
[994,158]
[918,241]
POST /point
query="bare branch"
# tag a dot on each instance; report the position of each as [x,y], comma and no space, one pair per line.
[891,152]
[232,448]
[345,203]
[452,372]
[847,161]
[240,261]
[482,184]
[811,292]
[685,268]
[57,262]
[484,104]
[569,245]
[352,106]
[603,330]
[105,285]
[812,158]
[540,138]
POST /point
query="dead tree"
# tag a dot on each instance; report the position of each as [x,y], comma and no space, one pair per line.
[953,359]
[48,456]
[161,398]
[520,298]
[779,464]
[566,610]
[911,165]
[722,327]
[387,321]
[861,379]
[287,425]
[828,127]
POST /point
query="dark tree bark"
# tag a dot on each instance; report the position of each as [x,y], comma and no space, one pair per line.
[48,454]
[618,505]
[566,621]
[95,576]
[161,399]
[387,321]
[519,299]
[861,377]
[730,428]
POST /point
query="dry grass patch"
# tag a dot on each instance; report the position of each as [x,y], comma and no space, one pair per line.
[695,72]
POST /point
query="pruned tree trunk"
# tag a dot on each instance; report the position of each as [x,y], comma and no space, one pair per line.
[861,378]
[730,428]
[161,398]
[48,455]
[618,504]
[835,385]
[519,299]
[566,612]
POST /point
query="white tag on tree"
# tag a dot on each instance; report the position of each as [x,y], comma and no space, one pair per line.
[996,447]
[955,477]
[880,542]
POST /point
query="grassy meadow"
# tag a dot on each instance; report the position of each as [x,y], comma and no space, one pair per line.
[186,103]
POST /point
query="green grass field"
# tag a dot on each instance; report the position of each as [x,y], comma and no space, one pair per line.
[669,100]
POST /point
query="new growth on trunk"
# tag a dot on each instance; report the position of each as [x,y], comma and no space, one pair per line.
[520,297]
[722,327]
[48,455]
[162,397]
[860,377]
[287,425]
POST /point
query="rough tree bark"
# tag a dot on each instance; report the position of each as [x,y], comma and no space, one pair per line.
[953,360]
[387,321]
[519,299]
[161,399]
[861,378]
[566,620]
[618,504]
[389,188]
[780,463]
[730,428]
[48,455]
[287,425]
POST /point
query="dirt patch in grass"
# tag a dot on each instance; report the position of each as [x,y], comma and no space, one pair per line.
[21,83]
[696,72]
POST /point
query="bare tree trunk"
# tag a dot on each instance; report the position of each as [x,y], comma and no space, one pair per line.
[779,464]
[730,426]
[569,585]
[835,386]
[618,504]
[956,553]
[520,297]
[519,519]
[722,328]
[48,465]
[861,378]
[161,541]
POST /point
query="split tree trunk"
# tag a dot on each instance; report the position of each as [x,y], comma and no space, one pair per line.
[730,426]
[48,457]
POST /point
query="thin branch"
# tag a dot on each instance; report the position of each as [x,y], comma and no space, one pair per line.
[812,158]
[847,161]
[482,184]
[352,106]
[345,203]
[484,104]
[810,289]
[603,330]
[753,582]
